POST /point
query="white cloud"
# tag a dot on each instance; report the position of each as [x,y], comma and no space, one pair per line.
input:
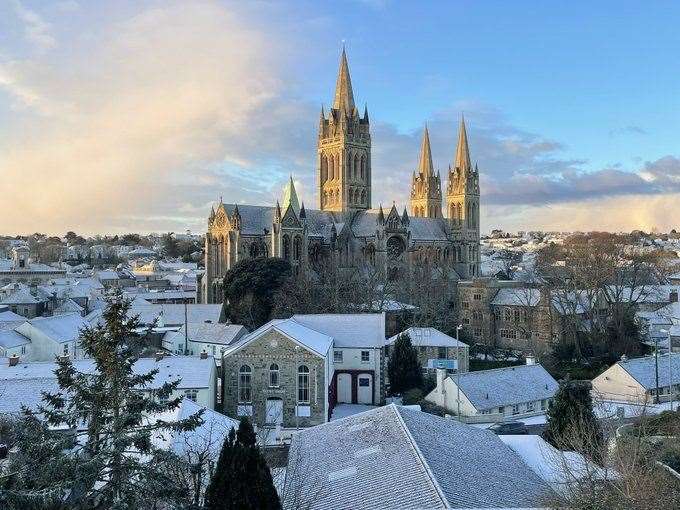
[38,31]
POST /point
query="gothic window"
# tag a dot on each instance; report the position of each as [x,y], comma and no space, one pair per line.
[324,169]
[350,198]
[244,384]
[363,166]
[273,375]
[286,247]
[336,165]
[395,247]
[297,247]
[356,166]
[370,254]
[364,201]
[303,384]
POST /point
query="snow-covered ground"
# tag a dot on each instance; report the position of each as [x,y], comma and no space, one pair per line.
[344,410]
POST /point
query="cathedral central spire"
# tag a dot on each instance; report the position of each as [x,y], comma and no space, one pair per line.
[462,160]
[344,97]
[425,166]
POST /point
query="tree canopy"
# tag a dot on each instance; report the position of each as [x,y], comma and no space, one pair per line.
[403,368]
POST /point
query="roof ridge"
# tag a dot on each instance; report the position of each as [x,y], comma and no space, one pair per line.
[420,456]
[498,369]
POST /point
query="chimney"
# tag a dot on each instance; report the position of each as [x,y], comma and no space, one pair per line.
[204,355]
[673,296]
[624,358]
[441,375]
[159,355]
[531,360]
[13,360]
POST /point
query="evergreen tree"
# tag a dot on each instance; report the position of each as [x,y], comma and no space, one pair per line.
[403,368]
[572,424]
[242,479]
[250,289]
[112,462]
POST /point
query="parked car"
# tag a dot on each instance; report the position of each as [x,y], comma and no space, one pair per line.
[509,428]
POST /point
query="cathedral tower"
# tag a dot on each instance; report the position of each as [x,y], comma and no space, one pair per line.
[462,205]
[426,187]
[344,151]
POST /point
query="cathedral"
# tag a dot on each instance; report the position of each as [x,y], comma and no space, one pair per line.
[345,233]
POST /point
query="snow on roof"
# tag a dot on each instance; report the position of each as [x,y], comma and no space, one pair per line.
[223,334]
[60,328]
[348,330]
[192,371]
[643,370]
[69,306]
[392,457]
[520,296]
[430,337]
[10,338]
[174,313]
[303,335]
[22,296]
[558,468]
[487,389]
[8,316]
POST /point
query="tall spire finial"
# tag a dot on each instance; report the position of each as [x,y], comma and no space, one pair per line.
[425,166]
[344,97]
[462,160]
[290,197]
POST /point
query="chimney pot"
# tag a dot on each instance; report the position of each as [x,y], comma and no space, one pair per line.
[204,355]
[531,360]
[13,360]
[159,355]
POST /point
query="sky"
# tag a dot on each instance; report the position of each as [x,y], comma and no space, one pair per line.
[135,116]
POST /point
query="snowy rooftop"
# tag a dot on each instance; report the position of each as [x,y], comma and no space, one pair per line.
[10,338]
[507,386]
[173,314]
[60,328]
[307,337]
[428,337]
[206,332]
[521,296]
[643,370]
[392,457]
[348,330]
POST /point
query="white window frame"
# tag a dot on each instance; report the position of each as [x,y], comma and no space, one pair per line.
[245,384]
[368,356]
[303,384]
[338,356]
[274,372]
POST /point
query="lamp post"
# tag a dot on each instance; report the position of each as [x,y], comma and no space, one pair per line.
[656,368]
[458,328]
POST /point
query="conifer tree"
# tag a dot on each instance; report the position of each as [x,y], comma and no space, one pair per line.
[242,479]
[403,367]
[113,462]
[572,424]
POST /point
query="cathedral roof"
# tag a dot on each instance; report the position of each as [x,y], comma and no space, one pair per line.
[344,97]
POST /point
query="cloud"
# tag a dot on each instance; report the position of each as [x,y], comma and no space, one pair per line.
[37,30]
[182,104]
[628,130]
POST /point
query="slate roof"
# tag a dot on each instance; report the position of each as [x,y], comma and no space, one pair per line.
[521,296]
[60,328]
[487,389]
[174,313]
[256,218]
[8,316]
[348,330]
[310,338]
[430,337]
[20,297]
[643,370]
[393,457]
[205,332]
[10,338]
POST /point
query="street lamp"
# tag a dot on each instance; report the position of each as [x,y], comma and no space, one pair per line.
[458,328]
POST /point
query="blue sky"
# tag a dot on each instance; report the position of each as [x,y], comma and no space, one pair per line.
[136,115]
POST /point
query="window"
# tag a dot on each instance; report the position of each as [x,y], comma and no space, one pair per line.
[273,375]
[466,305]
[530,407]
[65,349]
[364,382]
[337,356]
[477,332]
[466,320]
[441,352]
[544,404]
[477,316]
[191,394]
[244,384]
[23,349]
[501,410]
[365,356]
[515,409]
[507,314]
[303,384]
[477,297]
[508,333]
[517,315]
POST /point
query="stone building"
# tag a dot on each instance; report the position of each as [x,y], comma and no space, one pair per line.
[345,233]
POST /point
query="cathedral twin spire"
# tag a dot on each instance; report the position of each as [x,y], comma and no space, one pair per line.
[344,97]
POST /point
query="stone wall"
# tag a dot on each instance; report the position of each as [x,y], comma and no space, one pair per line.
[273,347]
